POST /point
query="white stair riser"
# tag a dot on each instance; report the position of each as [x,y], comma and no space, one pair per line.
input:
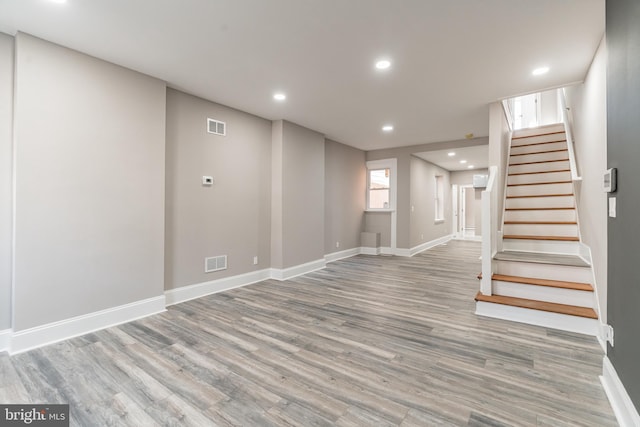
[523,149]
[562,322]
[554,215]
[537,139]
[544,293]
[556,127]
[539,157]
[539,167]
[565,273]
[539,177]
[541,202]
[565,230]
[544,246]
[540,189]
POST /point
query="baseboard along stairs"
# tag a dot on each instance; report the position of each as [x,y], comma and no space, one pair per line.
[539,276]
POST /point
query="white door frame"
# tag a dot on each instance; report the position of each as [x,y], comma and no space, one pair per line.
[463,206]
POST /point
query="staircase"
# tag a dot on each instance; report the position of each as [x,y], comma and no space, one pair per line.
[539,276]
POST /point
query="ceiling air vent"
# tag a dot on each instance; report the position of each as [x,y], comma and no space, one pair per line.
[215,263]
[216,127]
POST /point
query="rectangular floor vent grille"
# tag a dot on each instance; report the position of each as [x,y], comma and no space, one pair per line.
[215,263]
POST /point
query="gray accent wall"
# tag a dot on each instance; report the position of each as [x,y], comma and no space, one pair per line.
[345,179]
[623,153]
[231,217]
[6,179]
[90,147]
[298,229]
[587,103]
[423,226]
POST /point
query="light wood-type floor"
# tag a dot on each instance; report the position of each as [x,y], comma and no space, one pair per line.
[368,341]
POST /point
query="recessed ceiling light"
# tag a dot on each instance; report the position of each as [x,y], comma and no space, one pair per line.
[540,71]
[279,96]
[383,64]
[387,128]
[463,161]
[451,154]
[470,167]
[58,1]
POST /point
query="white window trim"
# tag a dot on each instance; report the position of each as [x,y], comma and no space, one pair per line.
[392,165]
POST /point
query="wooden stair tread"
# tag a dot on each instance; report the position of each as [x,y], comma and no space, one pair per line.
[540,195]
[542,222]
[541,209]
[570,310]
[536,163]
[538,134]
[543,282]
[540,183]
[534,173]
[540,152]
[557,238]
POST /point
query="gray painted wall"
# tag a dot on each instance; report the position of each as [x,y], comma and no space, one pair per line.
[623,152]
[90,184]
[345,179]
[423,226]
[466,177]
[404,156]
[588,106]
[233,216]
[298,197]
[6,170]
[379,222]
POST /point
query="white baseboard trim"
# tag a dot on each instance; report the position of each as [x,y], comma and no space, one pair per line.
[298,270]
[348,253]
[624,409]
[385,250]
[430,244]
[5,339]
[186,293]
[69,328]
[546,319]
[402,252]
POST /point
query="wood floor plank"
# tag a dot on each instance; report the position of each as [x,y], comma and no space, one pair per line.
[369,340]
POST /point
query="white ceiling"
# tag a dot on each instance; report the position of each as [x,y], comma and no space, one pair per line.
[450,57]
[476,156]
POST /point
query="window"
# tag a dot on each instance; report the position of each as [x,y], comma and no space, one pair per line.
[379,188]
[439,198]
[381,185]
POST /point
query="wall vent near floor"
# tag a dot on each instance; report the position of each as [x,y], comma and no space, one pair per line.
[216,127]
[215,263]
